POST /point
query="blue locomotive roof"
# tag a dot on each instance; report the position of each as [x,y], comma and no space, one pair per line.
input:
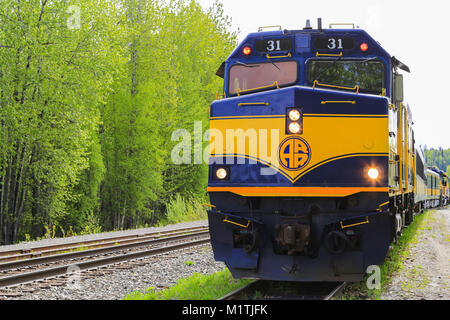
[308,42]
[437,170]
[433,171]
[305,45]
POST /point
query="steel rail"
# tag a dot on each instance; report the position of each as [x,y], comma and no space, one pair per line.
[91,264]
[91,252]
[336,291]
[81,245]
[308,294]
[238,293]
[38,250]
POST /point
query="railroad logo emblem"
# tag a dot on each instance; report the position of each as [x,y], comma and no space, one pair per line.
[294,153]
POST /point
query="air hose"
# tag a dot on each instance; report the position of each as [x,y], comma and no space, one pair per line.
[336,241]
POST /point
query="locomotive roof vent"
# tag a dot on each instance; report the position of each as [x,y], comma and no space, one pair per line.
[308,25]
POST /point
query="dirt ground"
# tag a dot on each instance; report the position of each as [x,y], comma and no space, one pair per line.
[426,271]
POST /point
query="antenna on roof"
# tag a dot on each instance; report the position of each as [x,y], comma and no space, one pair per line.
[308,25]
[319,24]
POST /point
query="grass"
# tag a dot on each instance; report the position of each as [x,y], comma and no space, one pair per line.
[196,287]
[189,263]
[415,279]
[394,260]
[180,209]
[81,248]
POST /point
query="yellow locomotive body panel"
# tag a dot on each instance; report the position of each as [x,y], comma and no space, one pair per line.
[330,137]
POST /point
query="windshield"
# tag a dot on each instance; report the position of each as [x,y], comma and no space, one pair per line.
[245,77]
[367,74]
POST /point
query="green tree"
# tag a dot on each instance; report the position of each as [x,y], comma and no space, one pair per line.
[90,93]
[439,158]
[174,50]
[54,74]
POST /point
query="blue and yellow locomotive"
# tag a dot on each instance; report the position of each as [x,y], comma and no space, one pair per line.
[312,169]
[437,188]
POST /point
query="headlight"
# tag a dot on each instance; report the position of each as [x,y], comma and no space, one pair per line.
[294,128]
[373,173]
[294,115]
[221,173]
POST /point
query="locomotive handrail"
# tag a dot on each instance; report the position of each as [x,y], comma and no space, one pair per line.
[333,86]
[367,215]
[226,214]
[392,107]
[268,56]
[237,224]
[355,224]
[220,96]
[275,84]
[342,24]
[253,104]
[380,207]
[262,28]
[318,54]
[327,102]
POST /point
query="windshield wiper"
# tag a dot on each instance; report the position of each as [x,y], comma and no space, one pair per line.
[254,65]
[247,65]
[369,59]
[273,64]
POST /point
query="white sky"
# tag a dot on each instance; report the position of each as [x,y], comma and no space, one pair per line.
[415,32]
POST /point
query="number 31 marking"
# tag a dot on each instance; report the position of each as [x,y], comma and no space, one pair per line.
[332,43]
[272,46]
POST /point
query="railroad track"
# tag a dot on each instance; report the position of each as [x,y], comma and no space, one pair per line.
[111,253]
[45,250]
[282,290]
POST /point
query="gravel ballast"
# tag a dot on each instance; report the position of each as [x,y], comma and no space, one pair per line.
[425,274]
[159,272]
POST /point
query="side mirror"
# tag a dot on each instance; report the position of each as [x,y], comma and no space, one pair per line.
[398,88]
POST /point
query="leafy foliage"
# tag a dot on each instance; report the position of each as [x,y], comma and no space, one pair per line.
[438,158]
[87,109]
